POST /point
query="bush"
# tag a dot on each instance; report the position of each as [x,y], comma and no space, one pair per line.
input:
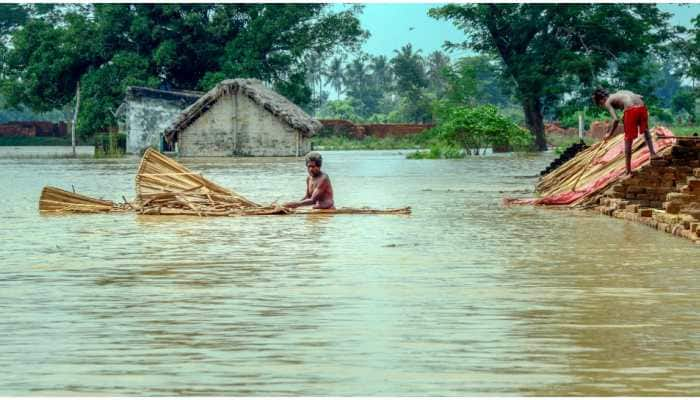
[110,145]
[661,115]
[683,102]
[476,128]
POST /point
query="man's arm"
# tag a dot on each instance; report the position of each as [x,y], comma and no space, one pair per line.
[310,199]
[615,120]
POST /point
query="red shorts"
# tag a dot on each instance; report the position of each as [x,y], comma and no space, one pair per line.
[636,120]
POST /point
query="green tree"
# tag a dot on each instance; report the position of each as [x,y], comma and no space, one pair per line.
[689,52]
[360,86]
[339,109]
[334,75]
[548,49]
[668,81]
[438,64]
[381,73]
[684,102]
[411,82]
[184,46]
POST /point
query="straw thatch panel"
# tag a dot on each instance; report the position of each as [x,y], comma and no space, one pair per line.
[55,200]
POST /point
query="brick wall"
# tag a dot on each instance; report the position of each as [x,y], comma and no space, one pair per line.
[396,130]
[33,128]
[359,131]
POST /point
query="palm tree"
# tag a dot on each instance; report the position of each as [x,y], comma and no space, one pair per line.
[314,70]
[356,75]
[437,63]
[334,75]
[381,72]
[409,69]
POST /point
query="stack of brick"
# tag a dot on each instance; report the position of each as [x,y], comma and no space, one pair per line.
[664,194]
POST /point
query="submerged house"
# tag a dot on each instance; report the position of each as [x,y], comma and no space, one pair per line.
[146,113]
[242,117]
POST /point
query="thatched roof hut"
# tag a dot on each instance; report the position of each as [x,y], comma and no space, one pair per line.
[255,91]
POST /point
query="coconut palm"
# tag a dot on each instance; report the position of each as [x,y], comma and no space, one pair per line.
[334,75]
[381,72]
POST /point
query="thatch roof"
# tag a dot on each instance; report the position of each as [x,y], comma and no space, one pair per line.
[272,101]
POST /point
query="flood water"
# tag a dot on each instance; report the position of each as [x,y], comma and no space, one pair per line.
[463,297]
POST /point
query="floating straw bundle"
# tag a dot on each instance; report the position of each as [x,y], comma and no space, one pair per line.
[164,187]
[57,200]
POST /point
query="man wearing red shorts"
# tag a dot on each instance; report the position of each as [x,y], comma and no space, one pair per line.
[635,118]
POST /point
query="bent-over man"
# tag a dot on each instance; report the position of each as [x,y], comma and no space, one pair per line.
[319,191]
[635,118]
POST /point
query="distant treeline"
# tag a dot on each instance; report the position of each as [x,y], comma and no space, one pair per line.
[543,59]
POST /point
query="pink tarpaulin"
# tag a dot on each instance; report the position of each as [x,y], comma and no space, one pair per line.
[585,189]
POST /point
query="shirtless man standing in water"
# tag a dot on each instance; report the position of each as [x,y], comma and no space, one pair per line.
[635,118]
[319,192]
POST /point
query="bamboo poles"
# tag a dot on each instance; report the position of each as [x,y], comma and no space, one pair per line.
[594,169]
[577,170]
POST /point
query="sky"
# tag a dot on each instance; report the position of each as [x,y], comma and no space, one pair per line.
[393,25]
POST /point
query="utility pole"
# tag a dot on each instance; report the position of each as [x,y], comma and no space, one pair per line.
[75,118]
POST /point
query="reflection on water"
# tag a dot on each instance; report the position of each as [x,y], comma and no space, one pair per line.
[463,297]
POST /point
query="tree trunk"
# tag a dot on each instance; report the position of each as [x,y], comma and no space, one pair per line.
[532,107]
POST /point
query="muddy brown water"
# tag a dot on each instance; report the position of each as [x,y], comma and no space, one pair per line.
[464,297]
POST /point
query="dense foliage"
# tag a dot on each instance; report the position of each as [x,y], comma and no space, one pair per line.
[406,87]
[534,62]
[107,47]
[548,51]
[476,128]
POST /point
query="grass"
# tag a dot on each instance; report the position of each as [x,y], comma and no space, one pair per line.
[684,130]
[437,151]
[368,143]
[34,141]
[109,145]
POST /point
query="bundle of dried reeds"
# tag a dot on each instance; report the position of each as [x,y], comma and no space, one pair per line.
[596,168]
[158,174]
[164,187]
[203,205]
[57,200]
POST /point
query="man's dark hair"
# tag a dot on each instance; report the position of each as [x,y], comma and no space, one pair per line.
[599,94]
[315,157]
